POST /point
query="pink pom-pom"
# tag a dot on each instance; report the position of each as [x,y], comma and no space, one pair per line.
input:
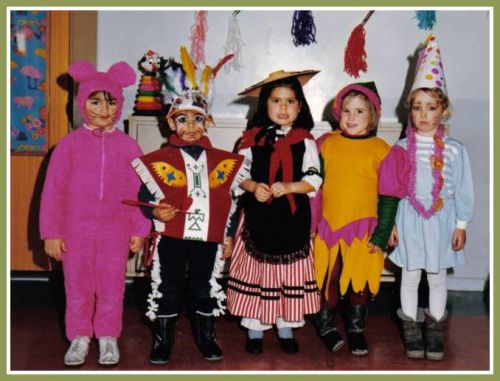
[82,70]
[198,37]
[122,73]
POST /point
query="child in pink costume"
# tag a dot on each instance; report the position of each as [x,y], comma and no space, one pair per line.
[82,218]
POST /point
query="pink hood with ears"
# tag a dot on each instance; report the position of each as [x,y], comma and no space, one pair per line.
[118,76]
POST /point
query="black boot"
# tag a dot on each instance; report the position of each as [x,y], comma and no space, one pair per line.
[204,336]
[434,349]
[412,334]
[325,326]
[163,342]
[355,322]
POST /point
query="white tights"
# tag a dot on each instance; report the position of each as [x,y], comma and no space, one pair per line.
[437,293]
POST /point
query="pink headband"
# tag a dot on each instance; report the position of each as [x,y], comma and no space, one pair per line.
[372,96]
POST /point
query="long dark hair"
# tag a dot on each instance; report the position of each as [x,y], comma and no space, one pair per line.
[261,117]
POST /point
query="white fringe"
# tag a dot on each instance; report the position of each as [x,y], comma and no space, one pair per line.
[152,186]
[147,179]
[216,290]
[155,283]
[242,175]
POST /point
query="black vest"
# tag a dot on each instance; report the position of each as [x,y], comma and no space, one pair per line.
[271,232]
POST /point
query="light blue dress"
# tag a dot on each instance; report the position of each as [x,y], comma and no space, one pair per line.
[426,243]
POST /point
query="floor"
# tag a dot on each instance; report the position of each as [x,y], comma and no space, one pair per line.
[38,342]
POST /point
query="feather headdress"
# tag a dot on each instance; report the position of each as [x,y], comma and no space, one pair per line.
[188,87]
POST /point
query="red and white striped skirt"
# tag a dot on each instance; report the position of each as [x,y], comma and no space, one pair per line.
[266,291]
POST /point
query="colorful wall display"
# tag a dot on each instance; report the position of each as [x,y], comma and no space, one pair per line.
[28,49]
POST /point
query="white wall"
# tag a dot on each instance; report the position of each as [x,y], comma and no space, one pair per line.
[391,37]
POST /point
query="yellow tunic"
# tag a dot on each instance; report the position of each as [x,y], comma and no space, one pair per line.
[350,195]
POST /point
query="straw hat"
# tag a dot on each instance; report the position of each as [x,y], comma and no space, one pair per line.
[302,76]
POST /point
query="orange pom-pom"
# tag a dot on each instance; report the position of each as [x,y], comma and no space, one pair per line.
[438,204]
[440,143]
[437,162]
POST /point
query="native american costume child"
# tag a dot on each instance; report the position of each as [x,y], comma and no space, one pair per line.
[354,210]
[271,277]
[198,180]
[437,207]
[88,176]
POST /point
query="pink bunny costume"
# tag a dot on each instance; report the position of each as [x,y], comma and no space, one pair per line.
[89,174]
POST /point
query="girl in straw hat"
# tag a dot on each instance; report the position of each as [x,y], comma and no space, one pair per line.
[271,278]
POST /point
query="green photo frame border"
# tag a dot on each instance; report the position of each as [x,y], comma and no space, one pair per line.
[362,4]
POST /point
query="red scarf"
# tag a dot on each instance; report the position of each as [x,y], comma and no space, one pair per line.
[281,156]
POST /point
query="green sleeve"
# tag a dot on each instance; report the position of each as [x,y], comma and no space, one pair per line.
[387,209]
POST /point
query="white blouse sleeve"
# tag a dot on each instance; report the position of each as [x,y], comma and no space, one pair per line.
[311,166]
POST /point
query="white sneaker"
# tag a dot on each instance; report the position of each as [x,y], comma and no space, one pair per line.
[77,351]
[108,351]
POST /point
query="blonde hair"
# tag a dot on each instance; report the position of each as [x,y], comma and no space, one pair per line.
[437,94]
[374,115]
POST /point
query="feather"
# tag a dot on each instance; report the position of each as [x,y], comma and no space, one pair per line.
[173,77]
[221,63]
[205,78]
[189,67]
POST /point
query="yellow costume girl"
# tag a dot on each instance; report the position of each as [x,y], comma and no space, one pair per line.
[360,193]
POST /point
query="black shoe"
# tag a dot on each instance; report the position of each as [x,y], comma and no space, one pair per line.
[164,331]
[357,343]
[204,335]
[324,322]
[212,352]
[333,340]
[289,345]
[253,346]
[355,321]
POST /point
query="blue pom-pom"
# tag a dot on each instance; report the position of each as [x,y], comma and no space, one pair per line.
[426,19]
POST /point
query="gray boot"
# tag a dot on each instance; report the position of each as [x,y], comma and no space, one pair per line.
[434,349]
[412,334]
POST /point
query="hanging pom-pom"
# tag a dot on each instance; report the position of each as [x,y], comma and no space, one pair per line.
[198,37]
[234,44]
[303,28]
[355,54]
[426,19]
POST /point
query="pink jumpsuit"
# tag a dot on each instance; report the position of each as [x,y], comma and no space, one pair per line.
[88,176]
